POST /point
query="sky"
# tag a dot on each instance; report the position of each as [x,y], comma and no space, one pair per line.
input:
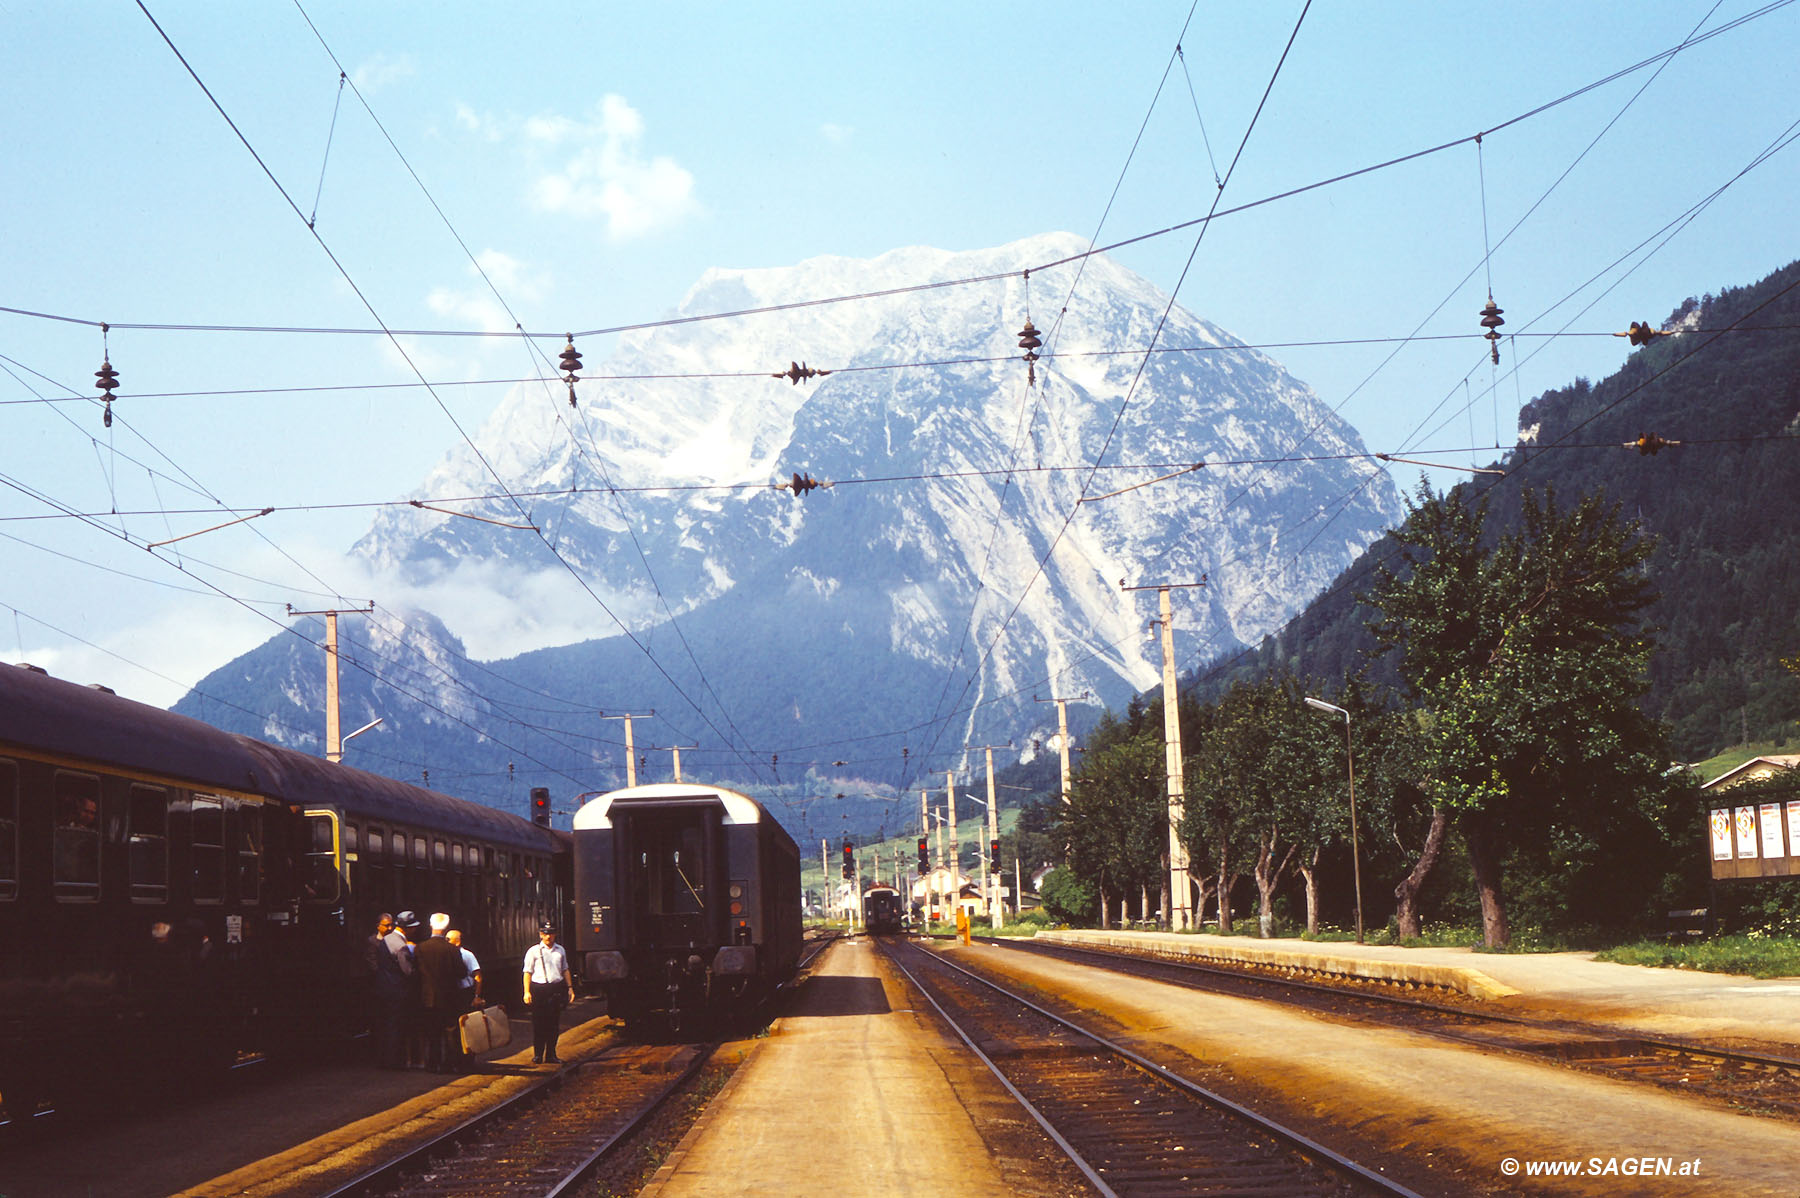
[188,164]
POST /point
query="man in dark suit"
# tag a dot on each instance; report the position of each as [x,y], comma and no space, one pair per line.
[441,971]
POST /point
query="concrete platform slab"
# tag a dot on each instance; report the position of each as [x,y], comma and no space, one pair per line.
[856,1092]
[1728,1008]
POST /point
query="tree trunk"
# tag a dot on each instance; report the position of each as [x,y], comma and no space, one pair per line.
[1205,890]
[1406,912]
[1268,876]
[1224,888]
[1309,870]
[1103,924]
[1484,862]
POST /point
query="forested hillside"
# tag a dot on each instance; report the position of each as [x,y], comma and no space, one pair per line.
[1722,501]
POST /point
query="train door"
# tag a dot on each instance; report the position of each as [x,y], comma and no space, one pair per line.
[671,880]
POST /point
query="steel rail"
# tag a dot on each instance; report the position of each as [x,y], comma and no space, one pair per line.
[1109,959]
[386,1175]
[580,1173]
[1295,1139]
[1069,1150]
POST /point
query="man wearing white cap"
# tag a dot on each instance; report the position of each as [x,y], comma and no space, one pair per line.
[441,972]
[548,988]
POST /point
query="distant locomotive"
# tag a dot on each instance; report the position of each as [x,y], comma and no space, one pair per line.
[687,902]
[265,869]
[882,910]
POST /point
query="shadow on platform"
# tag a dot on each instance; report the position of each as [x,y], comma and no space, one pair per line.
[843,996]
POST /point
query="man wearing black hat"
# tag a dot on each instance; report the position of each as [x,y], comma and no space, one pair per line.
[548,988]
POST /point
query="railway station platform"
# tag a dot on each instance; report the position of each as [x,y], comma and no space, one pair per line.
[856,1092]
[1643,999]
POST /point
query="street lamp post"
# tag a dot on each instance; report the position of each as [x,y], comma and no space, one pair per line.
[1350,772]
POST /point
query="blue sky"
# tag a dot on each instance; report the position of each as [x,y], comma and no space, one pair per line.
[595,159]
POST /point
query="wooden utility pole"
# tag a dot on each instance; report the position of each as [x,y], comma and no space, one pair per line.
[1180,909]
[990,891]
[676,749]
[630,752]
[334,740]
[955,846]
[940,860]
[925,866]
[1062,738]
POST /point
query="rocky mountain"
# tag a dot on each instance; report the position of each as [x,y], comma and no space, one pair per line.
[964,558]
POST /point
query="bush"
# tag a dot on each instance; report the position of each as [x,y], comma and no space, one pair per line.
[1068,899]
[1755,953]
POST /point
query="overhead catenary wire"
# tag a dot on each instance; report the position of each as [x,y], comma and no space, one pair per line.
[1182,226]
[518,325]
[394,340]
[1516,378]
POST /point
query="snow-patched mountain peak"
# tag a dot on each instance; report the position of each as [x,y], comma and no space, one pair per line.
[978,525]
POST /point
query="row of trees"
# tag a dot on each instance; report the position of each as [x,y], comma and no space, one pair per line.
[1517,747]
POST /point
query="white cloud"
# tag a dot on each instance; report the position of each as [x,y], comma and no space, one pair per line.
[381,71]
[835,133]
[607,174]
[480,124]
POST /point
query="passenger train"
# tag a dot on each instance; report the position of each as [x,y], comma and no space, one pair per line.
[687,902]
[264,868]
[882,910]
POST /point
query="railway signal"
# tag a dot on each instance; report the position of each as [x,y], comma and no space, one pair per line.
[924,860]
[540,806]
[849,859]
[994,854]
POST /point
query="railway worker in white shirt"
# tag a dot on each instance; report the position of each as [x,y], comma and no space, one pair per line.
[548,988]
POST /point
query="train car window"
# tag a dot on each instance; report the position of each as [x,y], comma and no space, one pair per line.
[77,837]
[9,831]
[456,857]
[247,839]
[147,850]
[206,825]
[375,846]
[487,860]
[440,852]
[420,861]
[322,880]
[351,841]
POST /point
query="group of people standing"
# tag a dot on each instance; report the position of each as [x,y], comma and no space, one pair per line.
[423,987]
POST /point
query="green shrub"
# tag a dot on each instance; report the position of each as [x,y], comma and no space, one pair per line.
[1755,953]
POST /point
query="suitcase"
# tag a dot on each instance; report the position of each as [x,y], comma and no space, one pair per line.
[485,1029]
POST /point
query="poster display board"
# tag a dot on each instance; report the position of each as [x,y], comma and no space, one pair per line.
[1760,841]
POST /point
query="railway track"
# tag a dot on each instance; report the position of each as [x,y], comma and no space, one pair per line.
[1130,1125]
[1753,1083]
[549,1138]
